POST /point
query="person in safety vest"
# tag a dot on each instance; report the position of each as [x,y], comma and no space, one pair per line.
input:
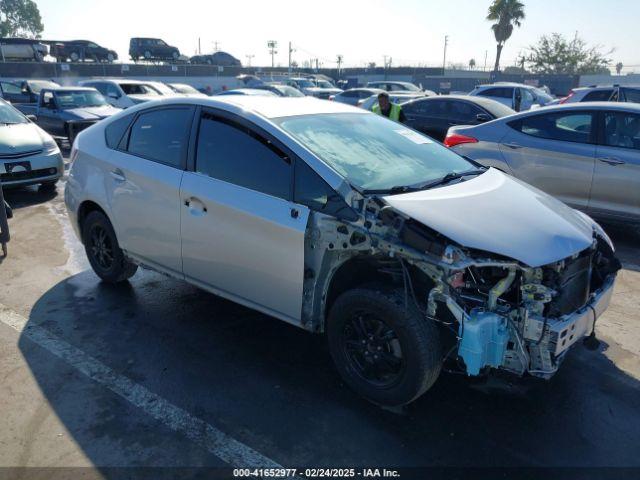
[387,109]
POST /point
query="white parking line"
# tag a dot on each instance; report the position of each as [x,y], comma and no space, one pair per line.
[226,448]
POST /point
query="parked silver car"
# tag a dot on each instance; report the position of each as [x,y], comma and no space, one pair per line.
[519,97]
[341,221]
[585,154]
[28,154]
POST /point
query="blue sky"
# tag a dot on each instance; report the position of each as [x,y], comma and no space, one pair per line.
[410,31]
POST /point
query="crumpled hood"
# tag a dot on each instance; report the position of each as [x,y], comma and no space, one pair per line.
[91,113]
[500,214]
[22,137]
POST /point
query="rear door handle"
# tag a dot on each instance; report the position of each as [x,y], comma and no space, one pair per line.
[118,175]
[513,146]
[611,160]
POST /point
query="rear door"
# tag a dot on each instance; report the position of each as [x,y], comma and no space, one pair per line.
[428,116]
[242,235]
[616,182]
[555,152]
[144,185]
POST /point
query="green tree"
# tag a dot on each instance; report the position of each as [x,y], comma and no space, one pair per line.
[20,18]
[506,14]
[472,64]
[554,54]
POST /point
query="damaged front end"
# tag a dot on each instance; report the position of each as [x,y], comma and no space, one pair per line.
[495,312]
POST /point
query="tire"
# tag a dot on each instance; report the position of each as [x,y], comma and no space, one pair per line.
[106,258]
[415,338]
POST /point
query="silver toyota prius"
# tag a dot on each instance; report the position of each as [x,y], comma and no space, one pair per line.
[586,154]
[339,221]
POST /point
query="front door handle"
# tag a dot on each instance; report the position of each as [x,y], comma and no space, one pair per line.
[611,160]
[513,146]
[118,175]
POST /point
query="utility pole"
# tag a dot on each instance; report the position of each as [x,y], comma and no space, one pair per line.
[199,49]
[272,45]
[249,57]
[339,60]
[444,58]
[291,50]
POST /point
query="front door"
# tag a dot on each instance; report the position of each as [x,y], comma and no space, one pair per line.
[555,152]
[616,181]
[242,236]
[144,186]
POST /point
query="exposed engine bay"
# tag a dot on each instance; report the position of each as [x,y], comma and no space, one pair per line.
[494,312]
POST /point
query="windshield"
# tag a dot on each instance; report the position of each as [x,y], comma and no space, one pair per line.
[304,83]
[410,86]
[138,89]
[372,152]
[79,98]
[37,85]
[161,88]
[542,95]
[289,91]
[9,115]
[324,84]
[183,88]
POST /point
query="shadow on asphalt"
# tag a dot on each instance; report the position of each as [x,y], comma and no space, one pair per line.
[20,197]
[627,242]
[273,387]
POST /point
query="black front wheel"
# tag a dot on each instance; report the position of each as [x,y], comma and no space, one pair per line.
[104,253]
[384,349]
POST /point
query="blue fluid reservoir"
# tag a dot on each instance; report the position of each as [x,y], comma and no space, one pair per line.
[484,340]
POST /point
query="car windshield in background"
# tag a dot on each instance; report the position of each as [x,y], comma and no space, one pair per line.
[324,84]
[543,96]
[411,87]
[9,115]
[37,85]
[305,83]
[497,109]
[372,152]
[79,99]
[138,89]
[161,88]
[183,88]
[289,91]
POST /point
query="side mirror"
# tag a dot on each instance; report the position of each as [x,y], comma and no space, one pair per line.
[31,118]
[482,117]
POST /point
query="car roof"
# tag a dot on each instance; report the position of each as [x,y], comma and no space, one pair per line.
[72,89]
[116,80]
[620,106]
[266,106]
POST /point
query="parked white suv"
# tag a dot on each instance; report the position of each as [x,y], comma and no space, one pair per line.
[517,96]
[338,220]
[124,93]
[604,93]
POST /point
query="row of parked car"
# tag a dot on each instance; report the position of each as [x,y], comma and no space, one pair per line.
[140,48]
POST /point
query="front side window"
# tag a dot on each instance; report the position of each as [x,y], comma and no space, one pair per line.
[372,152]
[234,154]
[11,88]
[161,135]
[566,127]
[622,130]
[9,115]
[428,108]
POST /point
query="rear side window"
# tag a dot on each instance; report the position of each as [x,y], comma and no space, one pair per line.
[497,92]
[464,111]
[622,130]
[598,96]
[161,135]
[115,130]
[631,95]
[235,154]
[566,127]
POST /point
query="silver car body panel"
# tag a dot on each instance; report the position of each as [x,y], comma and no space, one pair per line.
[496,213]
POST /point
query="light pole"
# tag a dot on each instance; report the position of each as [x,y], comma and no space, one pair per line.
[291,50]
[444,58]
[272,45]
[249,57]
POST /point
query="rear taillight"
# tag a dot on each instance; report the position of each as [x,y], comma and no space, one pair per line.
[566,99]
[454,139]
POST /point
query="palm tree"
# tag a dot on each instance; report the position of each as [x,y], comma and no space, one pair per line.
[506,14]
[472,64]
[619,66]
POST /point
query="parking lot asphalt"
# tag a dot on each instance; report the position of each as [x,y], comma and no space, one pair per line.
[158,373]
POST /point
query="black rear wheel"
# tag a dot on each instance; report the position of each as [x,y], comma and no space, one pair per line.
[102,249]
[385,350]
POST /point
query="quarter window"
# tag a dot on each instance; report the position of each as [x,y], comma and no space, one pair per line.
[566,127]
[622,130]
[235,154]
[161,135]
[115,130]
[312,191]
